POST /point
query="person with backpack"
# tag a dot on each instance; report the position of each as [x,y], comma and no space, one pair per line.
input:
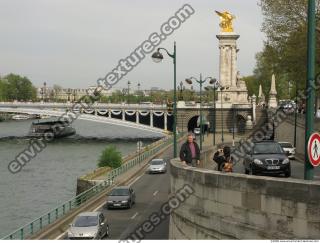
[224,159]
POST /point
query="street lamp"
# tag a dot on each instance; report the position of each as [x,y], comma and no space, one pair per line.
[128,91]
[295,116]
[158,57]
[221,90]
[201,82]
[215,86]
[139,85]
[181,89]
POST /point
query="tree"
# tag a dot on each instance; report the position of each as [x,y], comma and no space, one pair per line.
[110,157]
[285,50]
[15,87]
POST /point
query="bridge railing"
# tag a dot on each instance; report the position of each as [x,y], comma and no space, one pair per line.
[53,215]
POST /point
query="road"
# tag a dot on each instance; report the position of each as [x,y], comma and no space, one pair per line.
[152,192]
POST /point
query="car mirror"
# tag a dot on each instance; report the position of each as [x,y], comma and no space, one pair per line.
[102,223]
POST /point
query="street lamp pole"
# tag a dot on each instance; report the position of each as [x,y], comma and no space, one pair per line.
[201,82]
[308,167]
[158,57]
[295,117]
[222,138]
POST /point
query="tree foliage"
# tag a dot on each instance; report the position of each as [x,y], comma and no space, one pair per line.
[110,157]
[15,87]
[285,50]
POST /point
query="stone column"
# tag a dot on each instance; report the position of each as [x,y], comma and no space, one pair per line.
[165,121]
[137,117]
[95,111]
[151,118]
[254,104]
[109,114]
[123,115]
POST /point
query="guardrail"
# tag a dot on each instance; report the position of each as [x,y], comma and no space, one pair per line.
[50,217]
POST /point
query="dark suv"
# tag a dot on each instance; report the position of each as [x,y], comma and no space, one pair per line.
[267,157]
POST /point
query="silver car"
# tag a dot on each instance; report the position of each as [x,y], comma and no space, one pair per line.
[289,149]
[157,166]
[89,225]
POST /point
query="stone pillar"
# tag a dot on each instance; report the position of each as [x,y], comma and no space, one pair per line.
[95,111]
[123,115]
[254,105]
[228,59]
[165,121]
[273,93]
[137,117]
[109,114]
[151,118]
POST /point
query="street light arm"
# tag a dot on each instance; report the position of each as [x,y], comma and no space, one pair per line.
[170,55]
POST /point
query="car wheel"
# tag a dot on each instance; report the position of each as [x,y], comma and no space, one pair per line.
[251,171]
[246,171]
[287,173]
[107,231]
[130,204]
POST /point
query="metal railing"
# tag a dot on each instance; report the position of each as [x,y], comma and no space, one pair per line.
[53,215]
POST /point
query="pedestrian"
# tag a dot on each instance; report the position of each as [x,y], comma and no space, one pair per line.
[224,159]
[190,152]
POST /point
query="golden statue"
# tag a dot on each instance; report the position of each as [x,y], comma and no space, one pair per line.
[226,19]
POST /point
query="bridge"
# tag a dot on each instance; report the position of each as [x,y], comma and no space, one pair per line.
[148,117]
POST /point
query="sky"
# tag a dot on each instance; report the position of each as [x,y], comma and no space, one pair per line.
[72,43]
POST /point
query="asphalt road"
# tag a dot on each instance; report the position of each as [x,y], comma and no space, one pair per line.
[152,192]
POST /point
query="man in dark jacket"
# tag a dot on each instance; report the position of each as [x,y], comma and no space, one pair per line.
[190,152]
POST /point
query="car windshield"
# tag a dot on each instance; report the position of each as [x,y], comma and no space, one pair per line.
[157,162]
[267,148]
[86,221]
[120,192]
[286,145]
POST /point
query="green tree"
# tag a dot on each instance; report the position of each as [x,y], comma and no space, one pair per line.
[110,157]
[285,50]
[19,88]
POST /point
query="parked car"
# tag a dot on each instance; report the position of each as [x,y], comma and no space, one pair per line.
[196,131]
[157,166]
[288,149]
[266,157]
[89,225]
[121,197]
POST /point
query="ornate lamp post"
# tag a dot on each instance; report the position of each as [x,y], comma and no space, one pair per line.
[158,57]
[181,88]
[215,87]
[201,82]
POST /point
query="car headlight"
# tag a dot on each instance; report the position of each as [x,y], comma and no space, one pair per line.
[70,234]
[109,201]
[285,161]
[257,161]
[124,201]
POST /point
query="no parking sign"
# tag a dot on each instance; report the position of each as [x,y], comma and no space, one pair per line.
[314,149]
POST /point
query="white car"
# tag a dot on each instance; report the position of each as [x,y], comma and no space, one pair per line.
[289,149]
[157,166]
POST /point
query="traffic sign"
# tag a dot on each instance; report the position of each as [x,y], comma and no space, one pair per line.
[314,149]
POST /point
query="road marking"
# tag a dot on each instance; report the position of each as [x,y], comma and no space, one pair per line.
[135,180]
[135,215]
[155,193]
[59,237]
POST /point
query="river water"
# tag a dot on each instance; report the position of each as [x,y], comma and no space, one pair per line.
[49,179]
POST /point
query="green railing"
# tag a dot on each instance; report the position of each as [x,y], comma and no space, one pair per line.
[50,217]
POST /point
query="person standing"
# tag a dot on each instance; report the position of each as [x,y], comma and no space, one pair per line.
[190,152]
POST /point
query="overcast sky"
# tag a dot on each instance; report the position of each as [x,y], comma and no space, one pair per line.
[72,43]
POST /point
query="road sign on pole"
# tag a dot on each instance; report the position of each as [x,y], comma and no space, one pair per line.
[314,149]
